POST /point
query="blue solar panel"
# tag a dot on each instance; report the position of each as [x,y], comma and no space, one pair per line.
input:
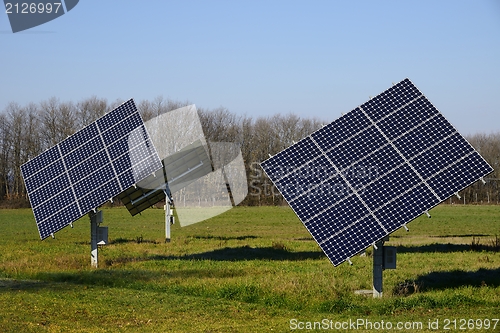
[423,136]
[406,207]
[341,129]
[315,201]
[337,217]
[356,147]
[90,167]
[373,170]
[407,118]
[393,98]
[288,160]
[374,165]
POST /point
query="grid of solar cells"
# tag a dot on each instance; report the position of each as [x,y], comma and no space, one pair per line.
[373,170]
[87,169]
[287,160]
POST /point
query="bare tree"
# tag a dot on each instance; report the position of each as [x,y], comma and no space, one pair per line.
[89,109]
[26,131]
[17,120]
[67,120]
[5,152]
[59,120]
[145,109]
[49,119]
[488,145]
[32,141]
[220,125]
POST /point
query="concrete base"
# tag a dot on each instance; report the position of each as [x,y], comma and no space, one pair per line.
[364,292]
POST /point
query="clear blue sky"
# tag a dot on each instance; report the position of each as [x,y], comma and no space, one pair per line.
[312,58]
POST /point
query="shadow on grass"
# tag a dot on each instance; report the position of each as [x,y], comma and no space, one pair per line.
[137,240]
[449,280]
[140,239]
[13,284]
[459,278]
[121,240]
[132,279]
[242,253]
[447,248]
[247,253]
[429,248]
[222,238]
[461,236]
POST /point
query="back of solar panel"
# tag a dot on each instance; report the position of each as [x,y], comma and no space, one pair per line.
[179,170]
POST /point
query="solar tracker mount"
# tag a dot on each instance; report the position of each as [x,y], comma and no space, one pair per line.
[373,170]
[89,168]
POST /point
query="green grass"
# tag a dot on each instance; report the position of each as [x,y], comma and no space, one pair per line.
[247,270]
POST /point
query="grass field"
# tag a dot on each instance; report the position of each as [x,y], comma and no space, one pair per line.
[247,270]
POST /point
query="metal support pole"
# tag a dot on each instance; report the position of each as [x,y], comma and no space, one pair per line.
[378,267]
[93,239]
[167,221]
[167,216]
[95,220]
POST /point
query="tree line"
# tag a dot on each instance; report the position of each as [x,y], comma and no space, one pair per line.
[28,130]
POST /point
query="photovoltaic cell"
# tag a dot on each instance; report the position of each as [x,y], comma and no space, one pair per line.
[296,182]
[425,135]
[90,167]
[406,118]
[356,147]
[375,165]
[337,217]
[340,130]
[315,201]
[373,170]
[289,160]
[406,207]
[392,99]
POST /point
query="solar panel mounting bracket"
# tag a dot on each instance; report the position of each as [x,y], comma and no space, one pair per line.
[387,128]
[96,218]
[187,172]
[378,267]
[145,195]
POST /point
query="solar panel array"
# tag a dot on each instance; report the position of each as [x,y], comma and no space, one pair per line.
[89,168]
[373,170]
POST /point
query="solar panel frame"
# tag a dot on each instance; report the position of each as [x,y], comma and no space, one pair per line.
[87,169]
[414,176]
